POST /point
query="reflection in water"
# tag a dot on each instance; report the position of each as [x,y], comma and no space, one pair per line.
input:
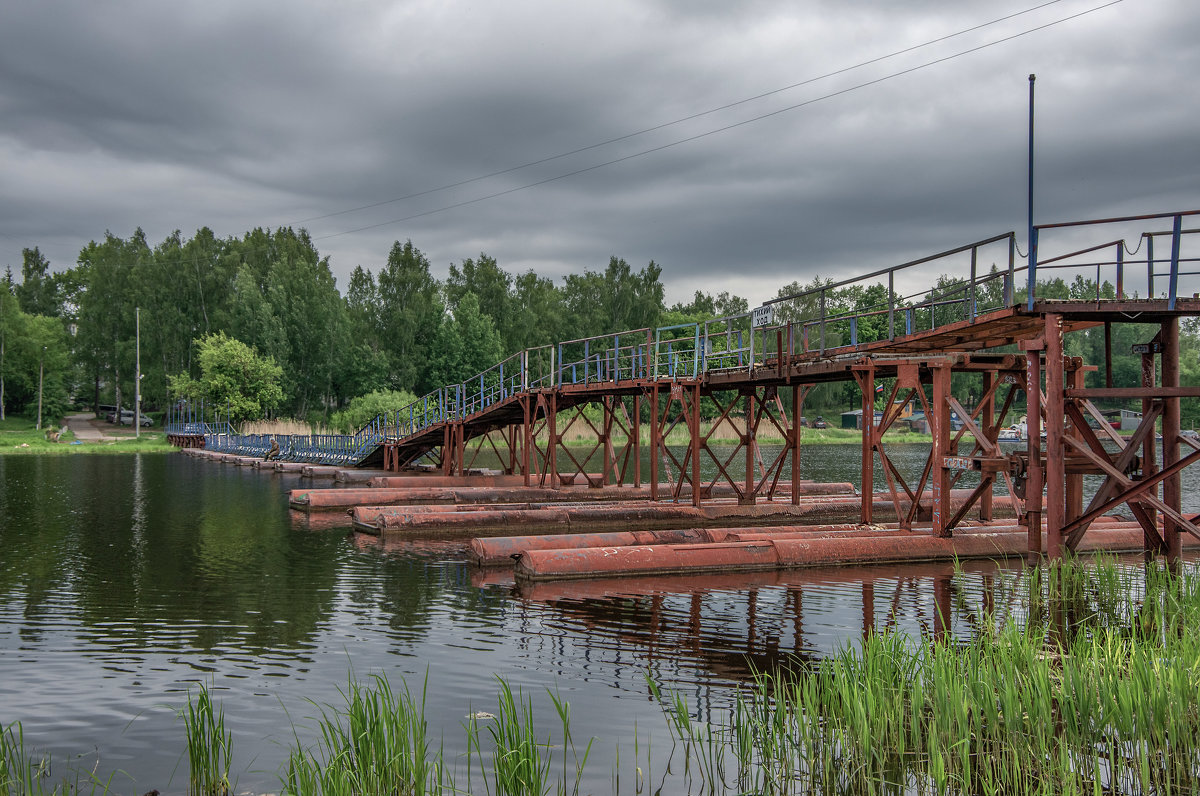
[127,580]
[730,627]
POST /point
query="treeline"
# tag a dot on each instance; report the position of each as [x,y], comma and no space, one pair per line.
[396,328]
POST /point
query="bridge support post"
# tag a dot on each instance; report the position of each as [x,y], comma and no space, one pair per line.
[799,393]
[693,424]
[1034,478]
[636,431]
[655,442]
[1172,487]
[942,447]
[749,439]
[1074,486]
[988,422]
[526,437]
[1149,451]
[866,383]
[1056,473]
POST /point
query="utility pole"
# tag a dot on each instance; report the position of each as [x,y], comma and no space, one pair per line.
[137,372]
[41,379]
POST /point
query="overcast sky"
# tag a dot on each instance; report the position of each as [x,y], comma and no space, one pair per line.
[233,115]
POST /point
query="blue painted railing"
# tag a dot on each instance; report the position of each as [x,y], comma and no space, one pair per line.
[807,322]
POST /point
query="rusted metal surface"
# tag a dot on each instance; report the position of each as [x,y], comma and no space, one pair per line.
[503,550]
[455,490]
[507,518]
[784,553]
[523,409]
[403,481]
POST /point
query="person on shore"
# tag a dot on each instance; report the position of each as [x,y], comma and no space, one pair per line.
[274,452]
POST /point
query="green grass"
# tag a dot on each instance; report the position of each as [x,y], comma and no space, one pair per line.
[20,437]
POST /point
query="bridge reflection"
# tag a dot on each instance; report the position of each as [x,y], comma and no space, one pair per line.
[729,627]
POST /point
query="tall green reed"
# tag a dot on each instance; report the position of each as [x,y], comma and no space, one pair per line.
[520,764]
[24,773]
[378,744]
[1097,691]
[209,745]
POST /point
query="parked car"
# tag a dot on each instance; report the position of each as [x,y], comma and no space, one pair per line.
[126,418]
[820,423]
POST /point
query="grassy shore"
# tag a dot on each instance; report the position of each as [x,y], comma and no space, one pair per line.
[20,437]
[1080,678]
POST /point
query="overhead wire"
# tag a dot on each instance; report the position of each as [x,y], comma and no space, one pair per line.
[691,117]
[724,128]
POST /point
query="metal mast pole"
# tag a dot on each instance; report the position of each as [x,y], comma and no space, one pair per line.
[1032,231]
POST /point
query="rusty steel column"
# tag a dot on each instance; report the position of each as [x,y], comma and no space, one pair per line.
[1172,492]
[527,437]
[1056,473]
[747,498]
[655,441]
[867,385]
[514,454]
[1149,449]
[794,440]
[1035,472]
[1074,487]
[552,444]
[608,404]
[988,426]
[940,426]
[694,430]
[635,426]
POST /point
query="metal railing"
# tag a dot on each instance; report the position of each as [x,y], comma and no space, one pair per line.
[825,320]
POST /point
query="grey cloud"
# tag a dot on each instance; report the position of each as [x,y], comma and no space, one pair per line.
[235,115]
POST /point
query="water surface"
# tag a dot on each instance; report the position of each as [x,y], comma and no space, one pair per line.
[126,581]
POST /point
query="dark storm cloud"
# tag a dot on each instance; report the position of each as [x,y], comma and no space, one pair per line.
[235,115]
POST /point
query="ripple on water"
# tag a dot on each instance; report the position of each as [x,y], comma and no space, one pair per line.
[100,644]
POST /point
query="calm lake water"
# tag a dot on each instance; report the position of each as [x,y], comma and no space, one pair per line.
[125,581]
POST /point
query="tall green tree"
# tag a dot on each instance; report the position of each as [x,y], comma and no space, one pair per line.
[9,320]
[39,292]
[467,344]
[492,287]
[538,311]
[410,314]
[233,376]
[618,300]
[34,362]
[106,295]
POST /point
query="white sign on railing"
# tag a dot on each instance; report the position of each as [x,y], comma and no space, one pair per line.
[763,316]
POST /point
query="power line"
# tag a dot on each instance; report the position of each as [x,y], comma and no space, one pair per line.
[724,128]
[692,117]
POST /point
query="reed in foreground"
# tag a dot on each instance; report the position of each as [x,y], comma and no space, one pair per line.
[1108,702]
[378,744]
[209,746]
[27,773]
[1077,679]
